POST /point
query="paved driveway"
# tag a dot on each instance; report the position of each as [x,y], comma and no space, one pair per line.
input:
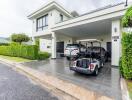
[106,83]
[14,86]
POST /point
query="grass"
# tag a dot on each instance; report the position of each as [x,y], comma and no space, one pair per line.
[15,59]
[129,85]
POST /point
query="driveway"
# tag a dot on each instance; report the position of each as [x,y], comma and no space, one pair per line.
[106,83]
[14,86]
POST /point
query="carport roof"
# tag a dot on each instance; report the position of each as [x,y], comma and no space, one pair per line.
[107,13]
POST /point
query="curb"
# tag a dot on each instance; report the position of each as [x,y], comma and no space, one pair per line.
[124,90]
[70,89]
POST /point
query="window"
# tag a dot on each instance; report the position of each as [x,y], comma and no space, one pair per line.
[61,17]
[42,23]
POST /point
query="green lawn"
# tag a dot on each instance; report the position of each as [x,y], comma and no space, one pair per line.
[129,85]
[15,59]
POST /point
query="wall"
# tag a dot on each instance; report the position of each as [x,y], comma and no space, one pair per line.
[44,45]
[53,17]
[57,16]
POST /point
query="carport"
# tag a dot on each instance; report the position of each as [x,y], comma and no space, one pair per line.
[103,24]
[101,30]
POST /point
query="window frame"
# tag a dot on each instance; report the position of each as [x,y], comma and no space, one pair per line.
[41,20]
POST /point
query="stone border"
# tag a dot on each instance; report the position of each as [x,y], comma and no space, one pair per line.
[124,90]
[71,89]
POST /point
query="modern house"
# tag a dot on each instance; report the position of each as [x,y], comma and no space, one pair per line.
[56,27]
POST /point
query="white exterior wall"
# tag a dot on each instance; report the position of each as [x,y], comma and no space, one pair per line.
[57,16]
[116,45]
[59,38]
[53,18]
[45,45]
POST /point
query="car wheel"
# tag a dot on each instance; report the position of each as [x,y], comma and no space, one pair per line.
[102,64]
[96,71]
[68,58]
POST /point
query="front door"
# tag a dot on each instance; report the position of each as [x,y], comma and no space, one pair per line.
[60,48]
[109,49]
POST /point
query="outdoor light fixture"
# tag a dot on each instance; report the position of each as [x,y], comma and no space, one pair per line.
[126,3]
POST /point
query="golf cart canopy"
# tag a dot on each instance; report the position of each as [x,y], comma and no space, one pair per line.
[89,40]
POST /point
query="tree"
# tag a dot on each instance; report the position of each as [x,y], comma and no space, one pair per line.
[19,38]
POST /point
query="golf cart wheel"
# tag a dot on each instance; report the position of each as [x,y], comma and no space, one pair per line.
[96,71]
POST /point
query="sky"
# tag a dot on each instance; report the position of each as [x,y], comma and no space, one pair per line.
[13,13]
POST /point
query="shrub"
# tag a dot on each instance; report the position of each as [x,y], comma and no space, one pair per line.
[43,55]
[4,44]
[127,55]
[127,19]
[120,66]
[19,38]
[17,50]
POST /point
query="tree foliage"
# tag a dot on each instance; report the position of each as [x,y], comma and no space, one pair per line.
[19,38]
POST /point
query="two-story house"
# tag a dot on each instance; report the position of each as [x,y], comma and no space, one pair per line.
[56,27]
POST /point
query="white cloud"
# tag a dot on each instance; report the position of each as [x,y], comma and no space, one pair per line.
[13,13]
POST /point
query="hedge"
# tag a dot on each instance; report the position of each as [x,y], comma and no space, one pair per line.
[126,61]
[127,19]
[17,50]
[43,55]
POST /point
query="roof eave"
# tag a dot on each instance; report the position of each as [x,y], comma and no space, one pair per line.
[48,7]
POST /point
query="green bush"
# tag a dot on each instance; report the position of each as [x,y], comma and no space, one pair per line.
[127,55]
[127,19]
[120,66]
[17,50]
[43,55]
[4,44]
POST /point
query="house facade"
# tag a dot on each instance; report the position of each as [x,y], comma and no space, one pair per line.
[56,27]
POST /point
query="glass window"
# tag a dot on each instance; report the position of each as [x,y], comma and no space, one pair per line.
[46,20]
[42,23]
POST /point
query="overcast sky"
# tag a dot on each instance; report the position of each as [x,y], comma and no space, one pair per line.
[13,13]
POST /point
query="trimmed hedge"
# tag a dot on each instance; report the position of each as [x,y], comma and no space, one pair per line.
[17,50]
[43,55]
[126,61]
[4,44]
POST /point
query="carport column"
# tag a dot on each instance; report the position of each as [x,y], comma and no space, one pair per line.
[53,45]
[116,42]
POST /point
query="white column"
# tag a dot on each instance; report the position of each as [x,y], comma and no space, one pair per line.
[116,42]
[33,39]
[53,45]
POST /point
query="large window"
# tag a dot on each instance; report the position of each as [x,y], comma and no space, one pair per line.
[42,23]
